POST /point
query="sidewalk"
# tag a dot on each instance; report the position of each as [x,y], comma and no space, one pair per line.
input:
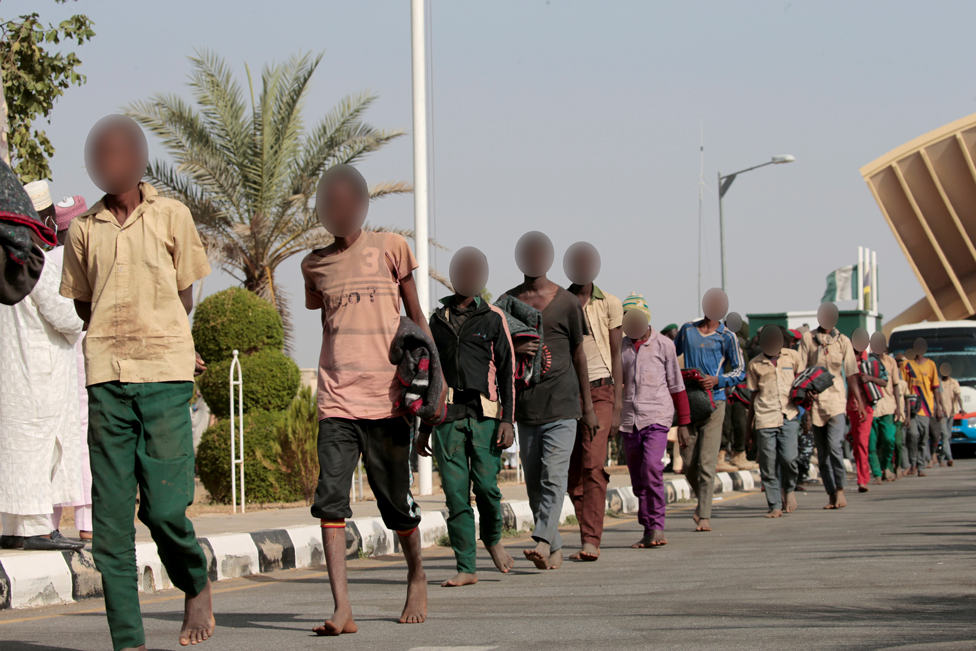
[265,541]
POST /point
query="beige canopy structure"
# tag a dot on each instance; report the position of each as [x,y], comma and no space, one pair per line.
[926,190]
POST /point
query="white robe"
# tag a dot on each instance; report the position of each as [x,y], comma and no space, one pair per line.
[40,442]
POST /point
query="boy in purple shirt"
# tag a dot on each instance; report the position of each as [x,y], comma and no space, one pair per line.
[653,391]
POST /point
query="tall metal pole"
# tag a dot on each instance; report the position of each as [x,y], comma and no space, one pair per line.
[721,229]
[418,47]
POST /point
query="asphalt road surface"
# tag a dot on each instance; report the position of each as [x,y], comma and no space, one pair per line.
[894,570]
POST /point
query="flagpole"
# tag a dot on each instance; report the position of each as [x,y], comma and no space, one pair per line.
[422,247]
[874,281]
[860,278]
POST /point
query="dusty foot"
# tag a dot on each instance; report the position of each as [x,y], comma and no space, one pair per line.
[833,502]
[921,474]
[415,610]
[539,556]
[877,481]
[555,559]
[949,463]
[841,500]
[696,517]
[703,525]
[590,552]
[461,578]
[341,622]
[501,558]
[198,619]
[141,647]
[775,513]
[789,503]
[862,488]
[887,475]
[655,539]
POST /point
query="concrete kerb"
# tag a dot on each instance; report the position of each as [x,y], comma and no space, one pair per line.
[45,578]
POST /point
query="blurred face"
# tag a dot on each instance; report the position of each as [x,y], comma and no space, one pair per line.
[116,154]
[581,263]
[715,304]
[827,315]
[635,324]
[879,344]
[342,201]
[771,341]
[534,254]
[860,340]
[469,271]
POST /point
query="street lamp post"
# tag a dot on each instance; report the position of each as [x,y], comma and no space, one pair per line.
[724,182]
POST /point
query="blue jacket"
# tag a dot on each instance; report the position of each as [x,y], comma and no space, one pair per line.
[709,354]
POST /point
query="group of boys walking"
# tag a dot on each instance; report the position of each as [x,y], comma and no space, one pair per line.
[129,266]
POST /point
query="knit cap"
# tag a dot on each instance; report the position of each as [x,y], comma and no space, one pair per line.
[40,194]
[637,302]
[670,326]
[67,209]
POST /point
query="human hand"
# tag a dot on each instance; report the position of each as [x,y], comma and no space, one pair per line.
[506,436]
[590,423]
[200,365]
[708,382]
[526,347]
[615,423]
[684,436]
[423,444]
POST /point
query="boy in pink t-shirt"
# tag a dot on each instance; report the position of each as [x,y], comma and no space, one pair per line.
[358,282]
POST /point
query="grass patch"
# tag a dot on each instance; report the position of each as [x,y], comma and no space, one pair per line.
[512,533]
[571,521]
[444,541]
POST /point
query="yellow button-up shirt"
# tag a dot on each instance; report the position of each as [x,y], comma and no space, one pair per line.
[772,404]
[604,312]
[132,275]
[834,352]
[886,406]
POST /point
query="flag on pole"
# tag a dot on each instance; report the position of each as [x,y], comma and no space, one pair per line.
[840,285]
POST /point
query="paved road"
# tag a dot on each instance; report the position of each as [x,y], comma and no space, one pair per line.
[893,570]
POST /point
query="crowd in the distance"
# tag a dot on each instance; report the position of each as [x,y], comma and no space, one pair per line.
[576,369]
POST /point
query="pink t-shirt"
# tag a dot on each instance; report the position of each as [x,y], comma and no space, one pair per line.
[358,291]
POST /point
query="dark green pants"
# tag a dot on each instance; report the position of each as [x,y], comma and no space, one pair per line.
[140,436]
[468,459]
[881,447]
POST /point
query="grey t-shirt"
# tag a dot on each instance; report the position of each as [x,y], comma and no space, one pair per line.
[556,396]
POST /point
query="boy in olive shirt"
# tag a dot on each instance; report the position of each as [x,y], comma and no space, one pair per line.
[130,264]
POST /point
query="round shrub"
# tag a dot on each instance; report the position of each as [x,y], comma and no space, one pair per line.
[235,319]
[264,480]
[271,381]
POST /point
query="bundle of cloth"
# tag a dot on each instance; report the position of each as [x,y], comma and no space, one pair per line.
[419,372]
[524,322]
[21,261]
[701,403]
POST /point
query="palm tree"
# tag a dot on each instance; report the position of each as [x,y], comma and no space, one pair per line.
[249,177]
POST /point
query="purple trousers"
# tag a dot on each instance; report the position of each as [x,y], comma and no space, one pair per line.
[645,460]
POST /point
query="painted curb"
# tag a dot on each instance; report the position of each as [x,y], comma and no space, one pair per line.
[44,578]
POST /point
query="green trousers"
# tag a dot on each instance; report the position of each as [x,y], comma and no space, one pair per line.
[468,459]
[140,437]
[882,444]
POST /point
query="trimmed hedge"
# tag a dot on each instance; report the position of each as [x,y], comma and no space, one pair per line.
[264,480]
[271,381]
[235,319]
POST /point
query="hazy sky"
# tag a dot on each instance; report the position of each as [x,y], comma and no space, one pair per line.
[581,119]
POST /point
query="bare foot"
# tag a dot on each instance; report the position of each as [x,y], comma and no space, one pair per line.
[888,475]
[501,558]
[590,552]
[555,559]
[461,578]
[801,488]
[775,513]
[789,503]
[539,556]
[340,623]
[655,539]
[877,481]
[84,535]
[841,500]
[833,502]
[141,647]
[920,473]
[703,525]
[862,488]
[696,517]
[198,619]
[415,610]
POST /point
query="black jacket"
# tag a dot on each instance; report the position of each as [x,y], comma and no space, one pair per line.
[478,356]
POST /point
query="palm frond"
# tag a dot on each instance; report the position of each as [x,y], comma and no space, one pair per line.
[387,188]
